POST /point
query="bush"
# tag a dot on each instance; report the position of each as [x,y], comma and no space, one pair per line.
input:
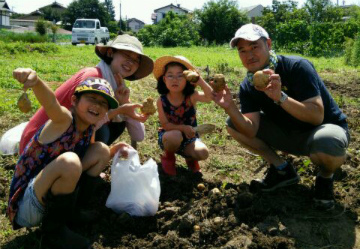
[41,26]
[22,47]
[292,36]
[327,39]
[355,53]
[8,36]
[348,50]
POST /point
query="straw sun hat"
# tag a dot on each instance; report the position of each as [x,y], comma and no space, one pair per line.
[128,43]
[159,67]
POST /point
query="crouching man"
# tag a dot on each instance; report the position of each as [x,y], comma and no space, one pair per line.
[293,112]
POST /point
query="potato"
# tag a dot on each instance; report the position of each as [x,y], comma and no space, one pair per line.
[217,221]
[191,76]
[148,107]
[215,192]
[24,103]
[219,82]
[201,187]
[260,79]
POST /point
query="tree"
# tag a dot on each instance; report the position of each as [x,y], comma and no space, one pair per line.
[317,9]
[87,9]
[110,9]
[173,30]
[52,15]
[219,20]
[282,10]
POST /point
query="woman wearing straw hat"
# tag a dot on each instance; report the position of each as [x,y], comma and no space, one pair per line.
[121,59]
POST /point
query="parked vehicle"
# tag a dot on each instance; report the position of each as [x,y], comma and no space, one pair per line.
[89,31]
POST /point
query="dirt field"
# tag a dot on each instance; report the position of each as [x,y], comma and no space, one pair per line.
[235,218]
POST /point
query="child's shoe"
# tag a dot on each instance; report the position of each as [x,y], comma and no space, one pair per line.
[168,163]
[193,165]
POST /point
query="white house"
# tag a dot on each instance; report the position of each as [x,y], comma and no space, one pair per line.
[4,14]
[135,24]
[160,13]
[253,11]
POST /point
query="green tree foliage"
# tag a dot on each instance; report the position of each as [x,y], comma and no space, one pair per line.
[293,36]
[286,15]
[317,29]
[123,25]
[110,9]
[219,20]
[174,30]
[41,26]
[321,10]
[51,14]
[113,27]
[87,9]
[282,10]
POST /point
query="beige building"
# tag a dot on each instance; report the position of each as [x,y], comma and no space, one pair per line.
[160,13]
[135,24]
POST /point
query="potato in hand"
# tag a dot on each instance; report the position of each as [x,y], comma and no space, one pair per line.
[260,79]
[24,103]
[148,107]
[191,76]
[219,82]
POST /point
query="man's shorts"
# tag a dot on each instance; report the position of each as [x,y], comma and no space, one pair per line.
[31,211]
[329,139]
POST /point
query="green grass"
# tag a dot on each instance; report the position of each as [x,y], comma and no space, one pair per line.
[59,66]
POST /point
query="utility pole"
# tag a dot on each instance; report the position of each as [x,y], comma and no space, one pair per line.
[120,16]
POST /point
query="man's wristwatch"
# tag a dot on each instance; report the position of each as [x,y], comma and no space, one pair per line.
[283,97]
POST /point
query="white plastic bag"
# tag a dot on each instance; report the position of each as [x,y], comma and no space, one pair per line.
[9,143]
[135,188]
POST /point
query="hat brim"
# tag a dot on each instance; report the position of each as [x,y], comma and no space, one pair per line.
[159,66]
[236,39]
[146,63]
[113,103]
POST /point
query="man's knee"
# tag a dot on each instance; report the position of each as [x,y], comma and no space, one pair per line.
[330,140]
[326,161]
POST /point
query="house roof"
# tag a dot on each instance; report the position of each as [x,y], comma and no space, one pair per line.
[4,6]
[250,8]
[35,13]
[174,6]
[54,4]
[136,20]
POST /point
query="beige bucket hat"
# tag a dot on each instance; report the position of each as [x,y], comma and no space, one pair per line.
[160,63]
[129,43]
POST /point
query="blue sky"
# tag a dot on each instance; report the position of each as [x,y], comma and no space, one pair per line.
[142,9]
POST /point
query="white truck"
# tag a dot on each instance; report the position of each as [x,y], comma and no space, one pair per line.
[89,31]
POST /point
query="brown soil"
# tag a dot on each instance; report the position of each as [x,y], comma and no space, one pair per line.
[236,218]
